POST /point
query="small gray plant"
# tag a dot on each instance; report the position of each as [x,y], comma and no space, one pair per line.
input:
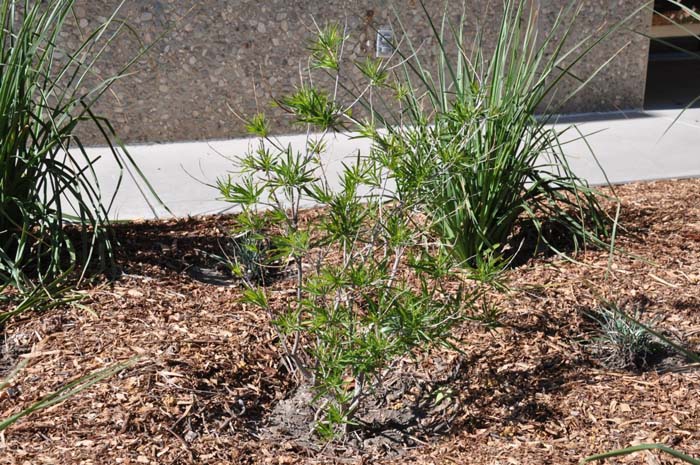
[624,342]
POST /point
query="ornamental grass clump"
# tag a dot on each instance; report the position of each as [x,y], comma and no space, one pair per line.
[47,93]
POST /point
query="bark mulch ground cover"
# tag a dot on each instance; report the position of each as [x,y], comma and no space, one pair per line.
[531,391]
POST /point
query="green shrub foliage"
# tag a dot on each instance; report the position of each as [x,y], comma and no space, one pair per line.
[357,308]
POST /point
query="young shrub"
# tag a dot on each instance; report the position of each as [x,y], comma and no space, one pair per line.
[46,176]
[354,312]
[460,152]
[362,301]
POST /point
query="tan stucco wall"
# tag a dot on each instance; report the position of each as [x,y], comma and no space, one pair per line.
[240,53]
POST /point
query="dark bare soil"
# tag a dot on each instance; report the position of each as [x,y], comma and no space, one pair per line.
[209,387]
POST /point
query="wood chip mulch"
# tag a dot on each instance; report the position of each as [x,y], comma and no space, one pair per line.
[209,373]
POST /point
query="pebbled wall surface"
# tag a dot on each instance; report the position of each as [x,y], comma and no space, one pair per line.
[218,55]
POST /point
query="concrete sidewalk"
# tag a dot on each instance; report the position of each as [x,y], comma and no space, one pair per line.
[631,146]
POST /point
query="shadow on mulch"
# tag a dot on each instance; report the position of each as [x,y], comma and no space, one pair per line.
[201,248]
[526,244]
[517,391]
[634,224]
[219,409]
[686,303]
[175,245]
